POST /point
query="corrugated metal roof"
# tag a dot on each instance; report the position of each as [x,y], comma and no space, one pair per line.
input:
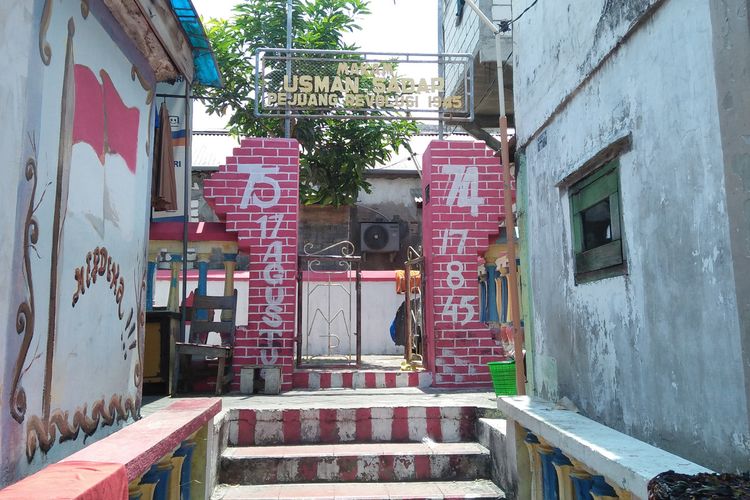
[210,149]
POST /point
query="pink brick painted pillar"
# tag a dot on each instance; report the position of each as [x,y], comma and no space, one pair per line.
[461,215]
[257,195]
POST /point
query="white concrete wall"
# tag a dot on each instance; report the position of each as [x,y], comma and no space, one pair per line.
[15,30]
[396,192]
[655,353]
[379,305]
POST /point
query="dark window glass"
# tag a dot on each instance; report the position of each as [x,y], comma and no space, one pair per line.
[597,234]
[597,225]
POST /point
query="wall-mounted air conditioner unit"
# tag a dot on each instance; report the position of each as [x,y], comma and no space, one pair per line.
[379,237]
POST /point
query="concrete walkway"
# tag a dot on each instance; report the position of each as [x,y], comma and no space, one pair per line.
[343,398]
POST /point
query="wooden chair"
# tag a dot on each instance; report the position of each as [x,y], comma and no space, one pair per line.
[199,330]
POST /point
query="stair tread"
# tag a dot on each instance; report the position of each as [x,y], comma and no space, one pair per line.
[354,450]
[428,489]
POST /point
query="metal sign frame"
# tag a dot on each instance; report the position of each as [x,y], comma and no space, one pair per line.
[265,57]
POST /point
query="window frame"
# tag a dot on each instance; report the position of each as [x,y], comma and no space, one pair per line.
[608,260]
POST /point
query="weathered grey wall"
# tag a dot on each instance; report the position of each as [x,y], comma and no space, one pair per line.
[393,198]
[556,46]
[730,19]
[15,31]
[322,226]
[657,353]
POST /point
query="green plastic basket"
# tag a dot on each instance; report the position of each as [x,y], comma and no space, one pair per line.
[503,375]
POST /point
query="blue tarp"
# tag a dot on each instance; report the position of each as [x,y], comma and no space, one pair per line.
[206,68]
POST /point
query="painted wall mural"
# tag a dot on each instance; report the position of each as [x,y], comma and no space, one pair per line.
[84,198]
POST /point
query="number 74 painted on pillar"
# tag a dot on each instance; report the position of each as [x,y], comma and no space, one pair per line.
[464,191]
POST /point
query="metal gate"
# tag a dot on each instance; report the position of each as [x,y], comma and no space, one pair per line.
[413,297]
[329,306]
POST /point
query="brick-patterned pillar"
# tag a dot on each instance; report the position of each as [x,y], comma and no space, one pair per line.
[256,194]
[461,213]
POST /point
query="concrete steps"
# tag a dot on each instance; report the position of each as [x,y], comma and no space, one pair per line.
[275,427]
[481,489]
[313,379]
[357,452]
[366,462]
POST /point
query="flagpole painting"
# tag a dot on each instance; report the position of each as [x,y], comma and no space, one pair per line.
[102,120]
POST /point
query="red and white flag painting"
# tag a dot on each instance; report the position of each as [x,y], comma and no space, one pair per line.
[101,118]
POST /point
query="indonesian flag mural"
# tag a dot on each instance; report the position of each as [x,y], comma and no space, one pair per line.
[102,120]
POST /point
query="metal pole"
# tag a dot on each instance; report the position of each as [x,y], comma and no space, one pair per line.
[441,63]
[500,80]
[289,9]
[299,313]
[186,206]
[407,313]
[359,313]
[482,17]
[510,224]
[510,231]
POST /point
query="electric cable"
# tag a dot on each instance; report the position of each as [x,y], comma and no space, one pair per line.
[506,25]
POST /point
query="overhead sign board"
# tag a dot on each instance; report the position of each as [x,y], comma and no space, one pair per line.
[362,85]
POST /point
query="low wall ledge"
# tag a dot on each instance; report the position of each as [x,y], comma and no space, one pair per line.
[628,462]
[103,469]
[143,443]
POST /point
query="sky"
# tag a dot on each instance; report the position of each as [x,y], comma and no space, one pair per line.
[393,26]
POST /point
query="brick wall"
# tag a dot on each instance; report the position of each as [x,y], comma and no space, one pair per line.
[459,220]
[256,194]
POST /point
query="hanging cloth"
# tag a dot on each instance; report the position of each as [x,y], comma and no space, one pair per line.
[163,186]
[503,298]
[415,281]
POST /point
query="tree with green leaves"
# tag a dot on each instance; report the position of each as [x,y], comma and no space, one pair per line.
[334,153]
